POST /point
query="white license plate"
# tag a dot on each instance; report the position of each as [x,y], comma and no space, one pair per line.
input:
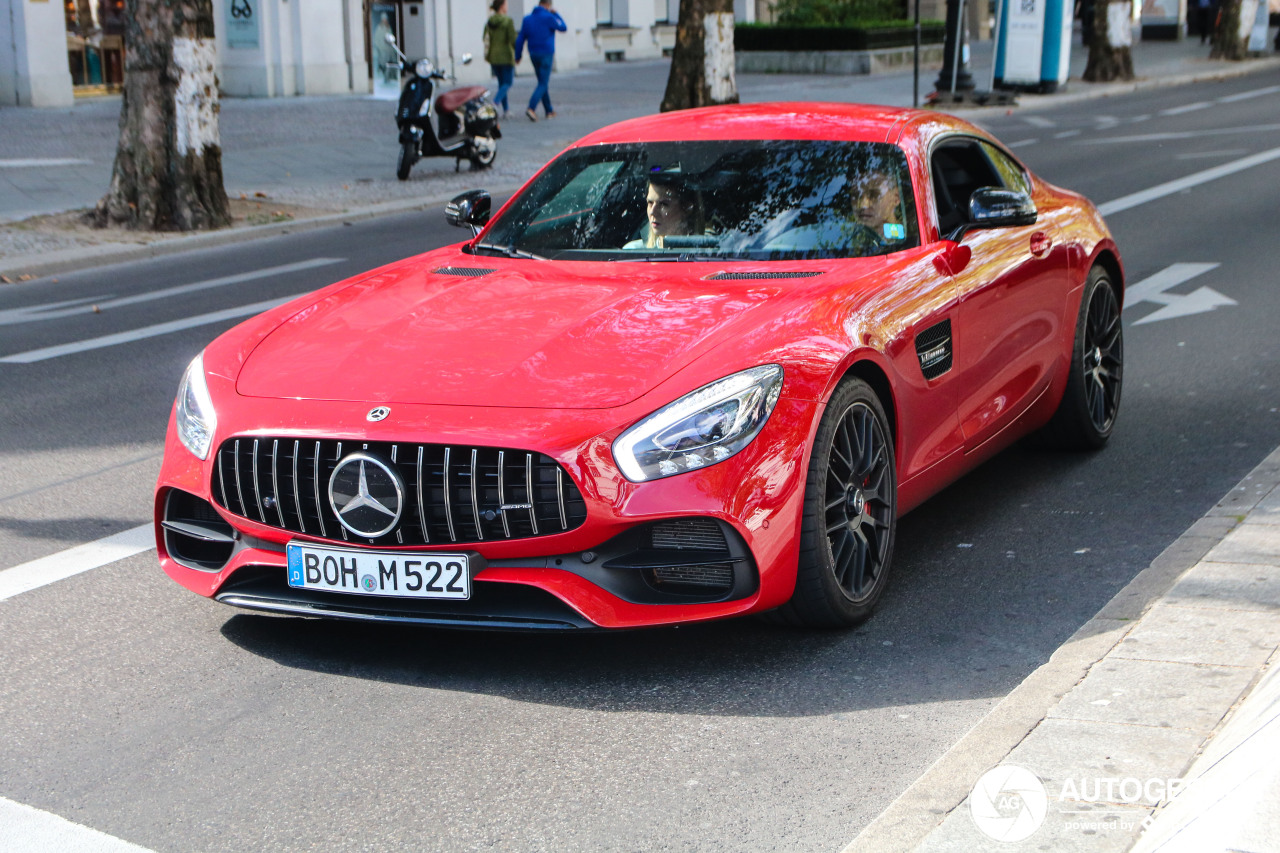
[392,573]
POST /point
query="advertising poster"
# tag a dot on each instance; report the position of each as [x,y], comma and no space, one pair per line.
[1024,42]
[242,24]
[386,62]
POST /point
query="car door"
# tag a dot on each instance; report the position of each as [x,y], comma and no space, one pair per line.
[1011,292]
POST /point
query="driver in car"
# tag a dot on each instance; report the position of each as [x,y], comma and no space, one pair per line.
[671,209]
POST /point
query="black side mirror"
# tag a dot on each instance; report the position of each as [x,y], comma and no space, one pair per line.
[990,207]
[469,210]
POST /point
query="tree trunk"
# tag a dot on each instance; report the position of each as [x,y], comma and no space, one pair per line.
[702,62]
[1109,55]
[1228,40]
[168,169]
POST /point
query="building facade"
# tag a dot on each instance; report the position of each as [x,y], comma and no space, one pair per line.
[51,50]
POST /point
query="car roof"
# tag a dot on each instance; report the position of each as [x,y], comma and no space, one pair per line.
[785,120]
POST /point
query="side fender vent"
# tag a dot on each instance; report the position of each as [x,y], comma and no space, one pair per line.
[466,272]
[933,348]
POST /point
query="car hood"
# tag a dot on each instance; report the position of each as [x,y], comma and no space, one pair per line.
[518,334]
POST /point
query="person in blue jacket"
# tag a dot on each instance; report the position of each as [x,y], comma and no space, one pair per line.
[539,32]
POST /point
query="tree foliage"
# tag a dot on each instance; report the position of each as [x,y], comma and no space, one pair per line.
[168,168]
[838,13]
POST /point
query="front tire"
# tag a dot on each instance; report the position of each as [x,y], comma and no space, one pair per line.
[1087,414]
[408,154]
[850,514]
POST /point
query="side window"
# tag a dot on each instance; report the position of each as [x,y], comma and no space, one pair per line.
[959,168]
[1011,174]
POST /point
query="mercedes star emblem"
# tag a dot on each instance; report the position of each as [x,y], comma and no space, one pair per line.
[378,414]
[366,494]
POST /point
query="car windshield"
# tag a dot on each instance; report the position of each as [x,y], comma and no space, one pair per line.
[759,200]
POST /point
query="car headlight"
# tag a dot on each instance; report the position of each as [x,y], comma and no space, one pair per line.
[195,417]
[423,69]
[701,428]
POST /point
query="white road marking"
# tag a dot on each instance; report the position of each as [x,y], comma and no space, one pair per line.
[1184,134]
[1171,187]
[1252,93]
[29,830]
[1152,289]
[1186,108]
[1022,142]
[145,332]
[73,561]
[37,164]
[1039,121]
[1205,155]
[1067,134]
[54,310]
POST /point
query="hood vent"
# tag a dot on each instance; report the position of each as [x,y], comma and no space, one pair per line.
[466,272]
[756,276]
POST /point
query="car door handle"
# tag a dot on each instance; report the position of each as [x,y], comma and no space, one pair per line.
[1040,243]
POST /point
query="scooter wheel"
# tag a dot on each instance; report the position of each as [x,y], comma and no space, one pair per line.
[482,158]
[407,155]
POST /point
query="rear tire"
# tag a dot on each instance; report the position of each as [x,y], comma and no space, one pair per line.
[1087,414]
[408,153]
[850,514]
[484,159]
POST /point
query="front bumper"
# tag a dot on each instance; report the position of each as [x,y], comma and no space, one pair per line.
[605,573]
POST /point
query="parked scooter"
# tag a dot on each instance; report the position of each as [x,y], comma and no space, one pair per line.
[465,126]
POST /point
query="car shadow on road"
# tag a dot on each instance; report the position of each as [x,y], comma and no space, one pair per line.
[982,594]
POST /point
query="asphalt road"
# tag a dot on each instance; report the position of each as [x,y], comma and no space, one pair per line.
[138,709]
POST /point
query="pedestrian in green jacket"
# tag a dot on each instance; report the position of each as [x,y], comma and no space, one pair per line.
[500,51]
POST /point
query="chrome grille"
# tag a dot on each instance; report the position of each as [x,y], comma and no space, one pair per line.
[453,494]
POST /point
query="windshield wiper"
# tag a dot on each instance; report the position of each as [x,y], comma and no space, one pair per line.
[509,251]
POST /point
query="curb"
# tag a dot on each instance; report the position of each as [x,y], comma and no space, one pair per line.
[942,788]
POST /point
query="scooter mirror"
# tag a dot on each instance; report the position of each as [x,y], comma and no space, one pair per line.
[466,59]
[391,38]
[469,210]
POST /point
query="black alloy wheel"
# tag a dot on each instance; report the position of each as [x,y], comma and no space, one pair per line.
[1087,414]
[1103,359]
[850,515]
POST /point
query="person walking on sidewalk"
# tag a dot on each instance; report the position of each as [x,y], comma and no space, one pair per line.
[500,51]
[539,31]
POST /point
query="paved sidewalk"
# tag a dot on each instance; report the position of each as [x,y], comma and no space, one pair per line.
[337,155]
[1156,727]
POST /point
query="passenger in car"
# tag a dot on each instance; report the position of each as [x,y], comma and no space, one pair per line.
[877,205]
[671,209]
[874,223]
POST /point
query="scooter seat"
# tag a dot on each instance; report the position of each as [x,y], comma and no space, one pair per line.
[451,100]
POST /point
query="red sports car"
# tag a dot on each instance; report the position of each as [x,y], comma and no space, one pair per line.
[695,368]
